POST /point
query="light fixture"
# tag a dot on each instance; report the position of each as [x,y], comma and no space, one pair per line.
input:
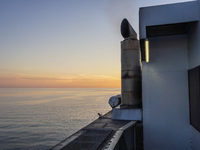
[147,50]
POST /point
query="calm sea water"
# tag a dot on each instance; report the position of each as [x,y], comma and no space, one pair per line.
[40,118]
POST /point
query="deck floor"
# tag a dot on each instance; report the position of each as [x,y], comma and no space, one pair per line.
[94,136]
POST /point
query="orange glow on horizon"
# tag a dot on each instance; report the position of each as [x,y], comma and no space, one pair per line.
[78,81]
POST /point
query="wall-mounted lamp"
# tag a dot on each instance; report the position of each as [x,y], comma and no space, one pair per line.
[147,50]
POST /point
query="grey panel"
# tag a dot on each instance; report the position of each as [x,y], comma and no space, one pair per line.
[165,95]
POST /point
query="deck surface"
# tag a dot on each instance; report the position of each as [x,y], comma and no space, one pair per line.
[94,136]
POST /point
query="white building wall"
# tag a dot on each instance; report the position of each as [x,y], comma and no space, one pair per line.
[165,95]
[164,85]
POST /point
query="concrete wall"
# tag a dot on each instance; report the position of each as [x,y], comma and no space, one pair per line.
[165,95]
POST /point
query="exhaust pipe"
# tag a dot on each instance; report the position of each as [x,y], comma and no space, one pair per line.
[131,89]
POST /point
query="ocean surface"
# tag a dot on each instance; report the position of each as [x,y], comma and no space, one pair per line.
[37,118]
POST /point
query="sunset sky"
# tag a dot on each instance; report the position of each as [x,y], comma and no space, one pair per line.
[64,43]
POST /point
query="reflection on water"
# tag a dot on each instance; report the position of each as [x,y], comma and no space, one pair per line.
[40,118]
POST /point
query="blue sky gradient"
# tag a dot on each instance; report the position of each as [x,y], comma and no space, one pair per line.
[64,40]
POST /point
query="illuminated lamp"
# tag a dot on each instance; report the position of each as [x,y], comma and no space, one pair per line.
[147,50]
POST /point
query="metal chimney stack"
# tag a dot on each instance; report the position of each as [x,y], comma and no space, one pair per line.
[130,67]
